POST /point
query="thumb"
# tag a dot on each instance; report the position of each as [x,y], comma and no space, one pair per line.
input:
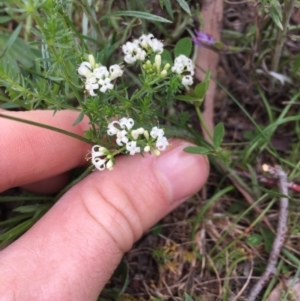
[72,251]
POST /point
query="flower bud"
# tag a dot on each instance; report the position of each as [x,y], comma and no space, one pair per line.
[163,73]
[146,134]
[147,149]
[110,165]
[158,62]
[167,66]
[156,152]
[92,61]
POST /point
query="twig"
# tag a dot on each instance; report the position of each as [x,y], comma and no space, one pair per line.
[278,173]
[268,181]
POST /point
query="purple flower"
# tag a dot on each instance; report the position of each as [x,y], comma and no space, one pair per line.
[203,39]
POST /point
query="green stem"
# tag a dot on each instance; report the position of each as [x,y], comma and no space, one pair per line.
[200,116]
[48,127]
[77,180]
[286,15]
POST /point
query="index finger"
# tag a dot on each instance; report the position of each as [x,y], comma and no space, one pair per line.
[30,153]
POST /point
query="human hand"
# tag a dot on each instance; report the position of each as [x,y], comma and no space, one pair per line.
[72,251]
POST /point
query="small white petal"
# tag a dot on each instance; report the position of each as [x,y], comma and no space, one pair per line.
[115,71]
[132,148]
[112,130]
[99,163]
[91,85]
[122,138]
[187,80]
[162,143]
[85,69]
[126,122]
[156,132]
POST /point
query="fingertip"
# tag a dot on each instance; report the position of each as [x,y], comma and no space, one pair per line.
[184,173]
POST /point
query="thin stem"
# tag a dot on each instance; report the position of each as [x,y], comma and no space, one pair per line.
[81,177]
[48,127]
[200,116]
[286,15]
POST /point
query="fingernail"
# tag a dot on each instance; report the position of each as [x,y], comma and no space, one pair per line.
[185,173]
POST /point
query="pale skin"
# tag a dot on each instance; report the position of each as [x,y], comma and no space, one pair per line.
[73,250]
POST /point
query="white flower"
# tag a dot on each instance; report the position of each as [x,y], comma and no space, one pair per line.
[132,148]
[133,53]
[135,133]
[85,69]
[148,41]
[121,137]
[98,152]
[105,85]
[115,71]
[183,63]
[112,130]
[101,72]
[99,163]
[156,132]
[157,46]
[187,80]
[178,68]
[126,122]
[162,143]
[144,40]
[90,85]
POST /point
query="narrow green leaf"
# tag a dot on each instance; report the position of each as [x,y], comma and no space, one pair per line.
[276,17]
[184,5]
[136,14]
[4,19]
[187,98]
[167,4]
[268,237]
[183,46]
[12,39]
[32,208]
[199,150]
[79,118]
[218,135]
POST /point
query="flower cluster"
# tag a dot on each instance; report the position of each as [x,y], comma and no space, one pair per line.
[98,77]
[155,69]
[184,65]
[140,48]
[131,141]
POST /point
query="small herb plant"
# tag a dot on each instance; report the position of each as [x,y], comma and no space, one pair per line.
[126,102]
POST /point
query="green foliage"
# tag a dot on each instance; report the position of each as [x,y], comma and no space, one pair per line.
[136,14]
[183,46]
[273,8]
